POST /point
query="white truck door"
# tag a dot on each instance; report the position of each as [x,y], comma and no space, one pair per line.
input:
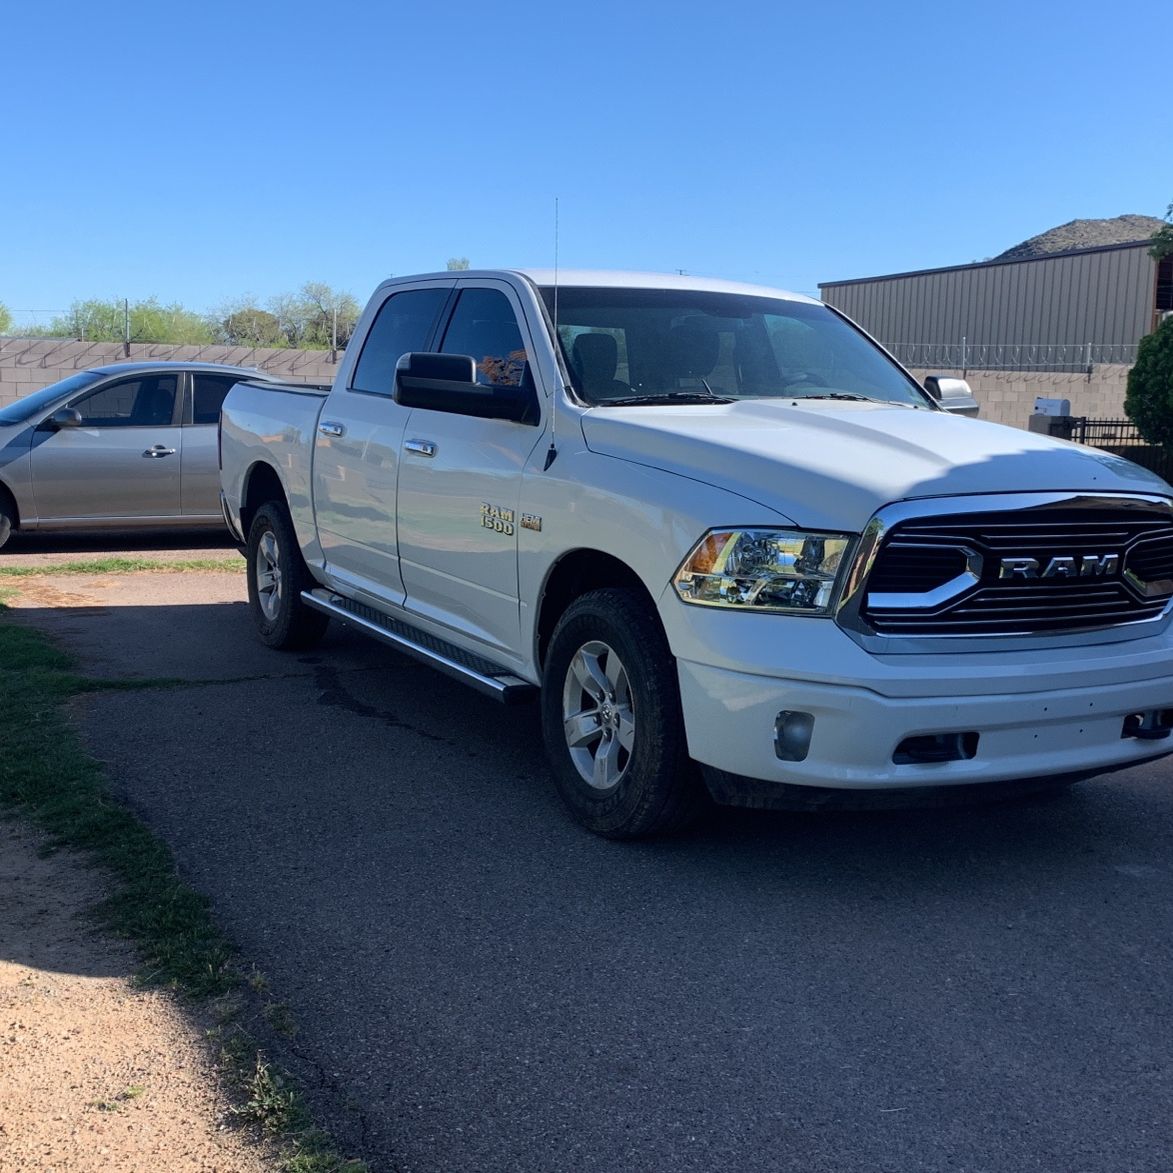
[460,482]
[122,461]
[359,442]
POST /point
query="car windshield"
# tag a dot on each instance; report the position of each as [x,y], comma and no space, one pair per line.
[24,409]
[642,346]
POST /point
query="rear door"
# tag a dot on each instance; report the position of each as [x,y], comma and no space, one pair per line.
[200,468]
[358,445]
[122,462]
[460,481]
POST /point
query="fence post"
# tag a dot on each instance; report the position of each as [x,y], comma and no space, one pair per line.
[1089,362]
[964,363]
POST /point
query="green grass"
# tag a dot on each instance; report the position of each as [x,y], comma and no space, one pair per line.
[123,566]
[46,776]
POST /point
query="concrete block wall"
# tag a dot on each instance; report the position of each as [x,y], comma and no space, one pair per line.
[1008,397]
[28,364]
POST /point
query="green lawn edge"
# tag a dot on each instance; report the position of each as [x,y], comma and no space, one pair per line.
[47,777]
[124,566]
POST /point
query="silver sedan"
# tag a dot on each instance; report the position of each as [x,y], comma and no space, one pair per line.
[118,446]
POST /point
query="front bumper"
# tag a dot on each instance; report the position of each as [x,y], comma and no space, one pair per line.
[730,721]
[1042,711]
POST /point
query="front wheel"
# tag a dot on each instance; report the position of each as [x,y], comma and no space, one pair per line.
[277,574]
[611,719]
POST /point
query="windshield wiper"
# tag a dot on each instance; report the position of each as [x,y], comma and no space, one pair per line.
[840,395]
[666,397]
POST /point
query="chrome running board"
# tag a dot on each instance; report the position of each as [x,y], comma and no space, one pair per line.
[483,675]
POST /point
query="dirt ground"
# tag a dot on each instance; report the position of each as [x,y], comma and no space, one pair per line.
[96,1075]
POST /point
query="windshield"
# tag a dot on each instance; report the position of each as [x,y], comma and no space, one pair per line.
[24,409]
[653,345]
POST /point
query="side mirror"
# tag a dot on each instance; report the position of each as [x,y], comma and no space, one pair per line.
[447,382]
[63,417]
[952,394]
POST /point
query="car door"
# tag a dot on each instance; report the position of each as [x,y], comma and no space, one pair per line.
[358,444]
[460,481]
[121,461]
[199,493]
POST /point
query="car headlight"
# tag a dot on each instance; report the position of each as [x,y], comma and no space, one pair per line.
[765,570]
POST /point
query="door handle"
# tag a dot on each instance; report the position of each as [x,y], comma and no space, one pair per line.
[420,447]
[330,428]
[157,451]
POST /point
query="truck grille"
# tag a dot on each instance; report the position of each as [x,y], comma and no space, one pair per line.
[1047,569]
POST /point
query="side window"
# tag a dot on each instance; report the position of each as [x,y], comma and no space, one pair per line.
[403,324]
[208,393]
[148,401]
[485,326]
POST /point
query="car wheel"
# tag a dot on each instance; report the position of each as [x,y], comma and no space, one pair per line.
[611,719]
[277,574]
[7,520]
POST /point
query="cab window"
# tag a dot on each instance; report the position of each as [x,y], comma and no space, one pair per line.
[484,325]
[404,324]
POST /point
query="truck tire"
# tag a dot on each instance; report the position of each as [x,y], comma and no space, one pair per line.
[277,574]
[611,719]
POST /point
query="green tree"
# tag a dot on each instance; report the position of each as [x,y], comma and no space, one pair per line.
[249,326]
[328,316]
[457,264]
[5,319]
[95,320]
[1149,399]
[1163,238]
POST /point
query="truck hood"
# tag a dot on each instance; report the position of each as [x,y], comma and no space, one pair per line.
[831,465]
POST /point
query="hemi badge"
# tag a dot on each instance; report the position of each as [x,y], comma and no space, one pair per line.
[531,521]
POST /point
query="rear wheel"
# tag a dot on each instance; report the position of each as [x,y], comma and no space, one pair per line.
[611,719]
[277,574]
[7,517]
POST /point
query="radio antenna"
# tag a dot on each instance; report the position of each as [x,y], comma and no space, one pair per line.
[552,451]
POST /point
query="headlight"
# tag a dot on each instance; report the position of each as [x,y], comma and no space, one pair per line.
[765,570]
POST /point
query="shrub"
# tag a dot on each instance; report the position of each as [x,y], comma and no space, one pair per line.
[1149,400]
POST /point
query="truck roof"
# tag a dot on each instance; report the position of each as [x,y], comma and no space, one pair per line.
[623,279]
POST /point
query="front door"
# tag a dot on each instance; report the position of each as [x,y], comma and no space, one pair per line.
[123,461]
[357,448]
[460,482]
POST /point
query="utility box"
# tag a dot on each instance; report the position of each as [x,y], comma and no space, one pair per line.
[1045,406]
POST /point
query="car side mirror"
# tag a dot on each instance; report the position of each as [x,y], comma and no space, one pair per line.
[63,417]
[954,395]
[447,382]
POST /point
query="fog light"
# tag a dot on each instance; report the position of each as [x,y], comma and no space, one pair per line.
[792,735]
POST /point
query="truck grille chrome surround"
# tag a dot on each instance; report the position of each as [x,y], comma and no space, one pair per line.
[1009,570]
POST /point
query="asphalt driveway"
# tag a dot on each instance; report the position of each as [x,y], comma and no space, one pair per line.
[479,985]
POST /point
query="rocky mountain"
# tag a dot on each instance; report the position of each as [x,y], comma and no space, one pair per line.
[1084,234]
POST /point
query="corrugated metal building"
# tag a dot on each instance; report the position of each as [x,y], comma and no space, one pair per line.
[1059,311]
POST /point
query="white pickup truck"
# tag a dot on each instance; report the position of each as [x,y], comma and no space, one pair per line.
[724,538]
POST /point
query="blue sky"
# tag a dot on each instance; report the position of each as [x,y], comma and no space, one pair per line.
[196,152]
